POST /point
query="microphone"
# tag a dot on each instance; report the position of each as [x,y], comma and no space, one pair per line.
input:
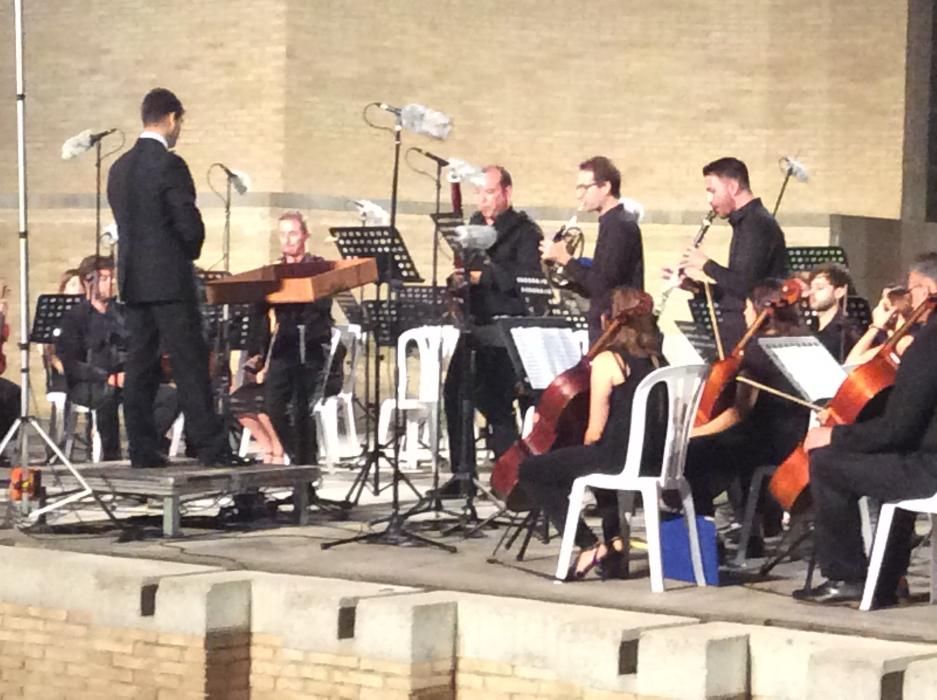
[373,214]
[459,171]
[110,234]
[239,181]
[420,119]
[80,143]
[795,168]
[473,237]
[439,160]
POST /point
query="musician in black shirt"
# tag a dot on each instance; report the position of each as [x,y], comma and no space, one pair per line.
[618,260]
[757,250]
[493,291]
[888,458]
[298,350]
[92,346]
[829,287]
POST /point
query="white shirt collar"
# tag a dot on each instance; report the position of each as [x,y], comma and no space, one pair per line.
[147,134]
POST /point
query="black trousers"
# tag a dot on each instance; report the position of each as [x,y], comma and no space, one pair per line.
[714,462]
[548,478]
[105,400]
[838,479]
[291,389]
[177,328]
[9,404]
[492,393]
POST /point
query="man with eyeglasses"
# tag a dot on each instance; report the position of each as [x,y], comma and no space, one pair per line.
[618,260]
[757,250]
[92,345]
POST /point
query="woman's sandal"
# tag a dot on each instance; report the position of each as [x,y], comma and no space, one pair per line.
[577,572]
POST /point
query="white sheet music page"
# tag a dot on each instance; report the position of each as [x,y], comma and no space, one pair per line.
[808,365]
[545,352]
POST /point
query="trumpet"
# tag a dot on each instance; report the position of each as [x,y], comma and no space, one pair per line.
[575,241]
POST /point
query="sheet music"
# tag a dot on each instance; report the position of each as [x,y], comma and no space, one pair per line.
[808,365]
[545,352]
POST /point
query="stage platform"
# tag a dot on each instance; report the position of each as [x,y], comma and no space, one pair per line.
[185,479]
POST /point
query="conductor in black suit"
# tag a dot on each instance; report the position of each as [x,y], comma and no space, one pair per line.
[152,196]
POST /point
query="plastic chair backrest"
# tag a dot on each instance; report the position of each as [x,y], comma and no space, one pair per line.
[684,387]
[351,338]
[427,340]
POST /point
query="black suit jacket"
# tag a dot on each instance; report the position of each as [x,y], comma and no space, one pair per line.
[161,232]
[515,252]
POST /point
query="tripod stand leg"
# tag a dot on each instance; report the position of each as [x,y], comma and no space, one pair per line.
[785,554]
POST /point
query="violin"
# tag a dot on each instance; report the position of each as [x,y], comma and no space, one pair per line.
[852,403]
[716,395]
[561,416]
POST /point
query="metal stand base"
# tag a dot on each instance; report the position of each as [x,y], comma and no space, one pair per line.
[395,534]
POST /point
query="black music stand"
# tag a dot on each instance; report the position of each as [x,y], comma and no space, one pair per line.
[701,338]
[47,323]
[805,258]
[395,266]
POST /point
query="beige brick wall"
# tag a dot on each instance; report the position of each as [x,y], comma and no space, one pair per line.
[276,87]
[52,654]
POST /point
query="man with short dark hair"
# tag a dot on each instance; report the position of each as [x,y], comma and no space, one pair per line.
[757,250]
[92,345]
[618,260]
[152,196]
[829,290]
[889,458]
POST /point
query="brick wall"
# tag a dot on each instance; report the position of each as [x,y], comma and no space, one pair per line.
[276,88]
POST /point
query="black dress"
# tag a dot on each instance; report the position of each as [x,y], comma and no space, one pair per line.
[548,478]
[767,435]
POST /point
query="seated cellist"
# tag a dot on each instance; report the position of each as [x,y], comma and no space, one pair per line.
[758,428]
[632,353]
[888,458]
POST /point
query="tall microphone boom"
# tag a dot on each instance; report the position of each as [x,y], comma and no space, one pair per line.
[439,160]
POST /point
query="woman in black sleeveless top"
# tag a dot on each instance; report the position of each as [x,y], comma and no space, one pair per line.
[616,372]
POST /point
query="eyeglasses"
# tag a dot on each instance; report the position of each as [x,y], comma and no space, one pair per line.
[582,188]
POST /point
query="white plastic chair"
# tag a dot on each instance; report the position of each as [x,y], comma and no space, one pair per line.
[335,415]
[683,391]
[882,530]
[433,343]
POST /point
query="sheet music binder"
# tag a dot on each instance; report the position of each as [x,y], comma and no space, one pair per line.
[808,366]
[50,308]
[702,340]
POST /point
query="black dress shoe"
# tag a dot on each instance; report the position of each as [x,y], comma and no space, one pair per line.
[832,591]
[452,489]
[226,459]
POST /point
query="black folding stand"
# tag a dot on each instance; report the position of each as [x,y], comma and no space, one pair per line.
[395,266]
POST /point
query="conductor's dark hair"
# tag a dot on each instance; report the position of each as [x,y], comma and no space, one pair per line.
[730,168]
[159,103]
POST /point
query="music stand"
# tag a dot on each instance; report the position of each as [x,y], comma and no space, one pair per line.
[395,266]
[702,340]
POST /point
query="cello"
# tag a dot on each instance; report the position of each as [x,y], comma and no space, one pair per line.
[715,397]
[561,416]
[790,480]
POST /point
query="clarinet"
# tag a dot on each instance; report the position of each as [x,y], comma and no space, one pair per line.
[697,241]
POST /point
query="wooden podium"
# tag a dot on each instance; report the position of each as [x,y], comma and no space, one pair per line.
[292,283]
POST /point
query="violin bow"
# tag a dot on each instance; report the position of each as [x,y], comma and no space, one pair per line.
[780,394]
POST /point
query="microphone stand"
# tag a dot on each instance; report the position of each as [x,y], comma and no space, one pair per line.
[396,532]
[226,235]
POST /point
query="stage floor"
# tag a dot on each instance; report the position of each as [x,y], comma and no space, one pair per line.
[272,542]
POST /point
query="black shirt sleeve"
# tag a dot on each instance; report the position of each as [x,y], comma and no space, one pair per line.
[617,260]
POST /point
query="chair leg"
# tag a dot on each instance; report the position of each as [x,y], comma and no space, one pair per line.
[651,498]
[689,512]
[933,559]
[885,517]
[865,518]
[751,511]
[569,530]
